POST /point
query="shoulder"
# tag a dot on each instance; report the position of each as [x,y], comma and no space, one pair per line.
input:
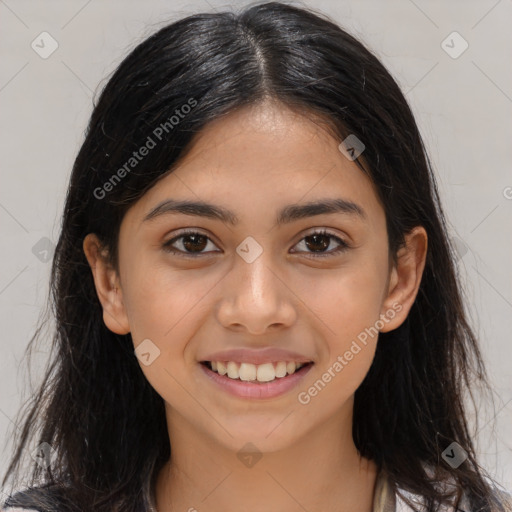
[44,498]
[15,503]
[404,500]
[18,509]
[407,501]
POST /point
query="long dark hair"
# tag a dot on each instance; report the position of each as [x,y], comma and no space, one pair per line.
[95,408]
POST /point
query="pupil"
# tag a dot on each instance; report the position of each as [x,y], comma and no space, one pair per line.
[194,244]
[315,237]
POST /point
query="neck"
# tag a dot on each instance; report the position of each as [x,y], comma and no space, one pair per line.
[320,471]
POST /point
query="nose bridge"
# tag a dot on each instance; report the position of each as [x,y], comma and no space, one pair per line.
[255,296]
[254,273]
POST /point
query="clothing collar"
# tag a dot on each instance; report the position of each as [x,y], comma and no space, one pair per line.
[384,498]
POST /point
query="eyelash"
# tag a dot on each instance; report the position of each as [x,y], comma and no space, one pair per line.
[341,248]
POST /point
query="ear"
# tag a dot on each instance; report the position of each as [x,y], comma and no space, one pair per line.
[405,278]
[107,285]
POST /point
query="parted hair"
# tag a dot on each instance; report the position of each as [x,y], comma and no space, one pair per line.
[95,408]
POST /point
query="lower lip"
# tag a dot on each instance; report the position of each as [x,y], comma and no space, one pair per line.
[258,390]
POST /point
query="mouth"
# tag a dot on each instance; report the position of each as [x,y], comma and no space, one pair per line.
[266,372]
[245,380]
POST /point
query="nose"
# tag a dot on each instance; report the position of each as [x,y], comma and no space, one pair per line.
[255,298]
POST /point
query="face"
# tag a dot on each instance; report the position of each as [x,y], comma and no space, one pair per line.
[313,288]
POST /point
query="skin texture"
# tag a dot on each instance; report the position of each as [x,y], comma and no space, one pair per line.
[254,162]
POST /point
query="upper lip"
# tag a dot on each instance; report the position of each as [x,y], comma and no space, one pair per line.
[257,356]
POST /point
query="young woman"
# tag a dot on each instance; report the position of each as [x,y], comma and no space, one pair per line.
[256,300]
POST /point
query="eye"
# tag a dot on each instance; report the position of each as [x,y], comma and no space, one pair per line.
[193,243]
[322,240]
[190,240]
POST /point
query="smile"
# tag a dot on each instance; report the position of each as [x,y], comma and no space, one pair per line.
[246,380]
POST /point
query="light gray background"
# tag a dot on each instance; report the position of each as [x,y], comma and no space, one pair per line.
[463,106]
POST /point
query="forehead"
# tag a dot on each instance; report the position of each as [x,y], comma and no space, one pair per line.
[255,160]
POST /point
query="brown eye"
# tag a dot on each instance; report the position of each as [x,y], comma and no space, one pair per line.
[193,244]
[189,243]
[319,241]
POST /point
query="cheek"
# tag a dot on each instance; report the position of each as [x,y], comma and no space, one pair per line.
[348,301]
[349,307]
[163,305]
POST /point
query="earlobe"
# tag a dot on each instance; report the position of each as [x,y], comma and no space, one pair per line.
[107,286]
[405,278]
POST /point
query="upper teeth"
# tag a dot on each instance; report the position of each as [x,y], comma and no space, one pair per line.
[262,372]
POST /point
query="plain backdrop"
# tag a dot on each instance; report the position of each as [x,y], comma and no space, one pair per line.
[458,85]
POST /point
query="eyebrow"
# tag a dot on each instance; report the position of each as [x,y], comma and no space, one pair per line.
[286,215]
